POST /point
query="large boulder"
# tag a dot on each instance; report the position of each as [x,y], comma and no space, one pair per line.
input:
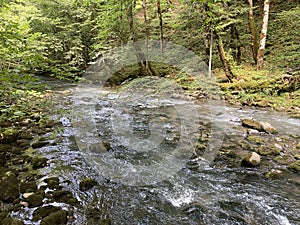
[251,160]
[257,125]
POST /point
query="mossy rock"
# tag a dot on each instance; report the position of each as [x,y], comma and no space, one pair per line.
[52,182]
[56,218]
[11,221]
[87,184]
[273,174]
[28,186]
[283,159]
[295,167]
[9,190]
[266,150]
[39,162]
[63,196]
[44,211]
[39,144]
[25,135]
[8,136]
[255,139]
[35,200]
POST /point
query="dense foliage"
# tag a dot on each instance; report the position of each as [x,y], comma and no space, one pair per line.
[60,38]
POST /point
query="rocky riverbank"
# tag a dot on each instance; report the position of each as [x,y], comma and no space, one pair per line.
[25,187]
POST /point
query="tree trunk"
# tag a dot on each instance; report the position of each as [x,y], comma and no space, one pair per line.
[253,32]
[227,68]
[161,37]
[210,53]
[263,36]
[236,46]
[140,56]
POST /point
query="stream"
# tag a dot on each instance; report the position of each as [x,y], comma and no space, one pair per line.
[195,193]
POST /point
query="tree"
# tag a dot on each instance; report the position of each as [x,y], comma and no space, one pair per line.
[253,32]
[263,36]
[161,36]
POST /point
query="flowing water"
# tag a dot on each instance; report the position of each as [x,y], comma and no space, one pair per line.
[195,193]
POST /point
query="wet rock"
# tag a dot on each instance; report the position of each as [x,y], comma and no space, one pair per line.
[11,221]
[260,126]
[87,184]
[106,145]
[25,135]
[251,160]
[8,136]
[39,162]
[52,182]
[283,159]
[274,173]
[56,218]
[255,139]
[26,195]
[28,186]
[64,196]
[9,190]
[295,167]
[39,144]
[35,200]
[44,211]
[267,150]
[23,143]
[268,128]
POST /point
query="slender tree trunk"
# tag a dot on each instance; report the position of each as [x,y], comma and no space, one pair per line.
[161,36]
[146,23]
[263,36]
[227,68]
[236,44]
[253,32]
[210,53]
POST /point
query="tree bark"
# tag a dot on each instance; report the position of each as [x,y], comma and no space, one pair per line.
[161,36]
[210,53]
[253,32]
[263,36]
[227,68]
[236,46]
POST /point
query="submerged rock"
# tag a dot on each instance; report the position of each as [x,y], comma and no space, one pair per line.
[56,218]
[260,126]
[87,183]
[251,160]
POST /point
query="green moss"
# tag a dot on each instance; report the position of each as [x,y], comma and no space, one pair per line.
[35,200]
[11,221]
[255,139]
[56,218]
[9,190]
[295,166]
[45,211]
